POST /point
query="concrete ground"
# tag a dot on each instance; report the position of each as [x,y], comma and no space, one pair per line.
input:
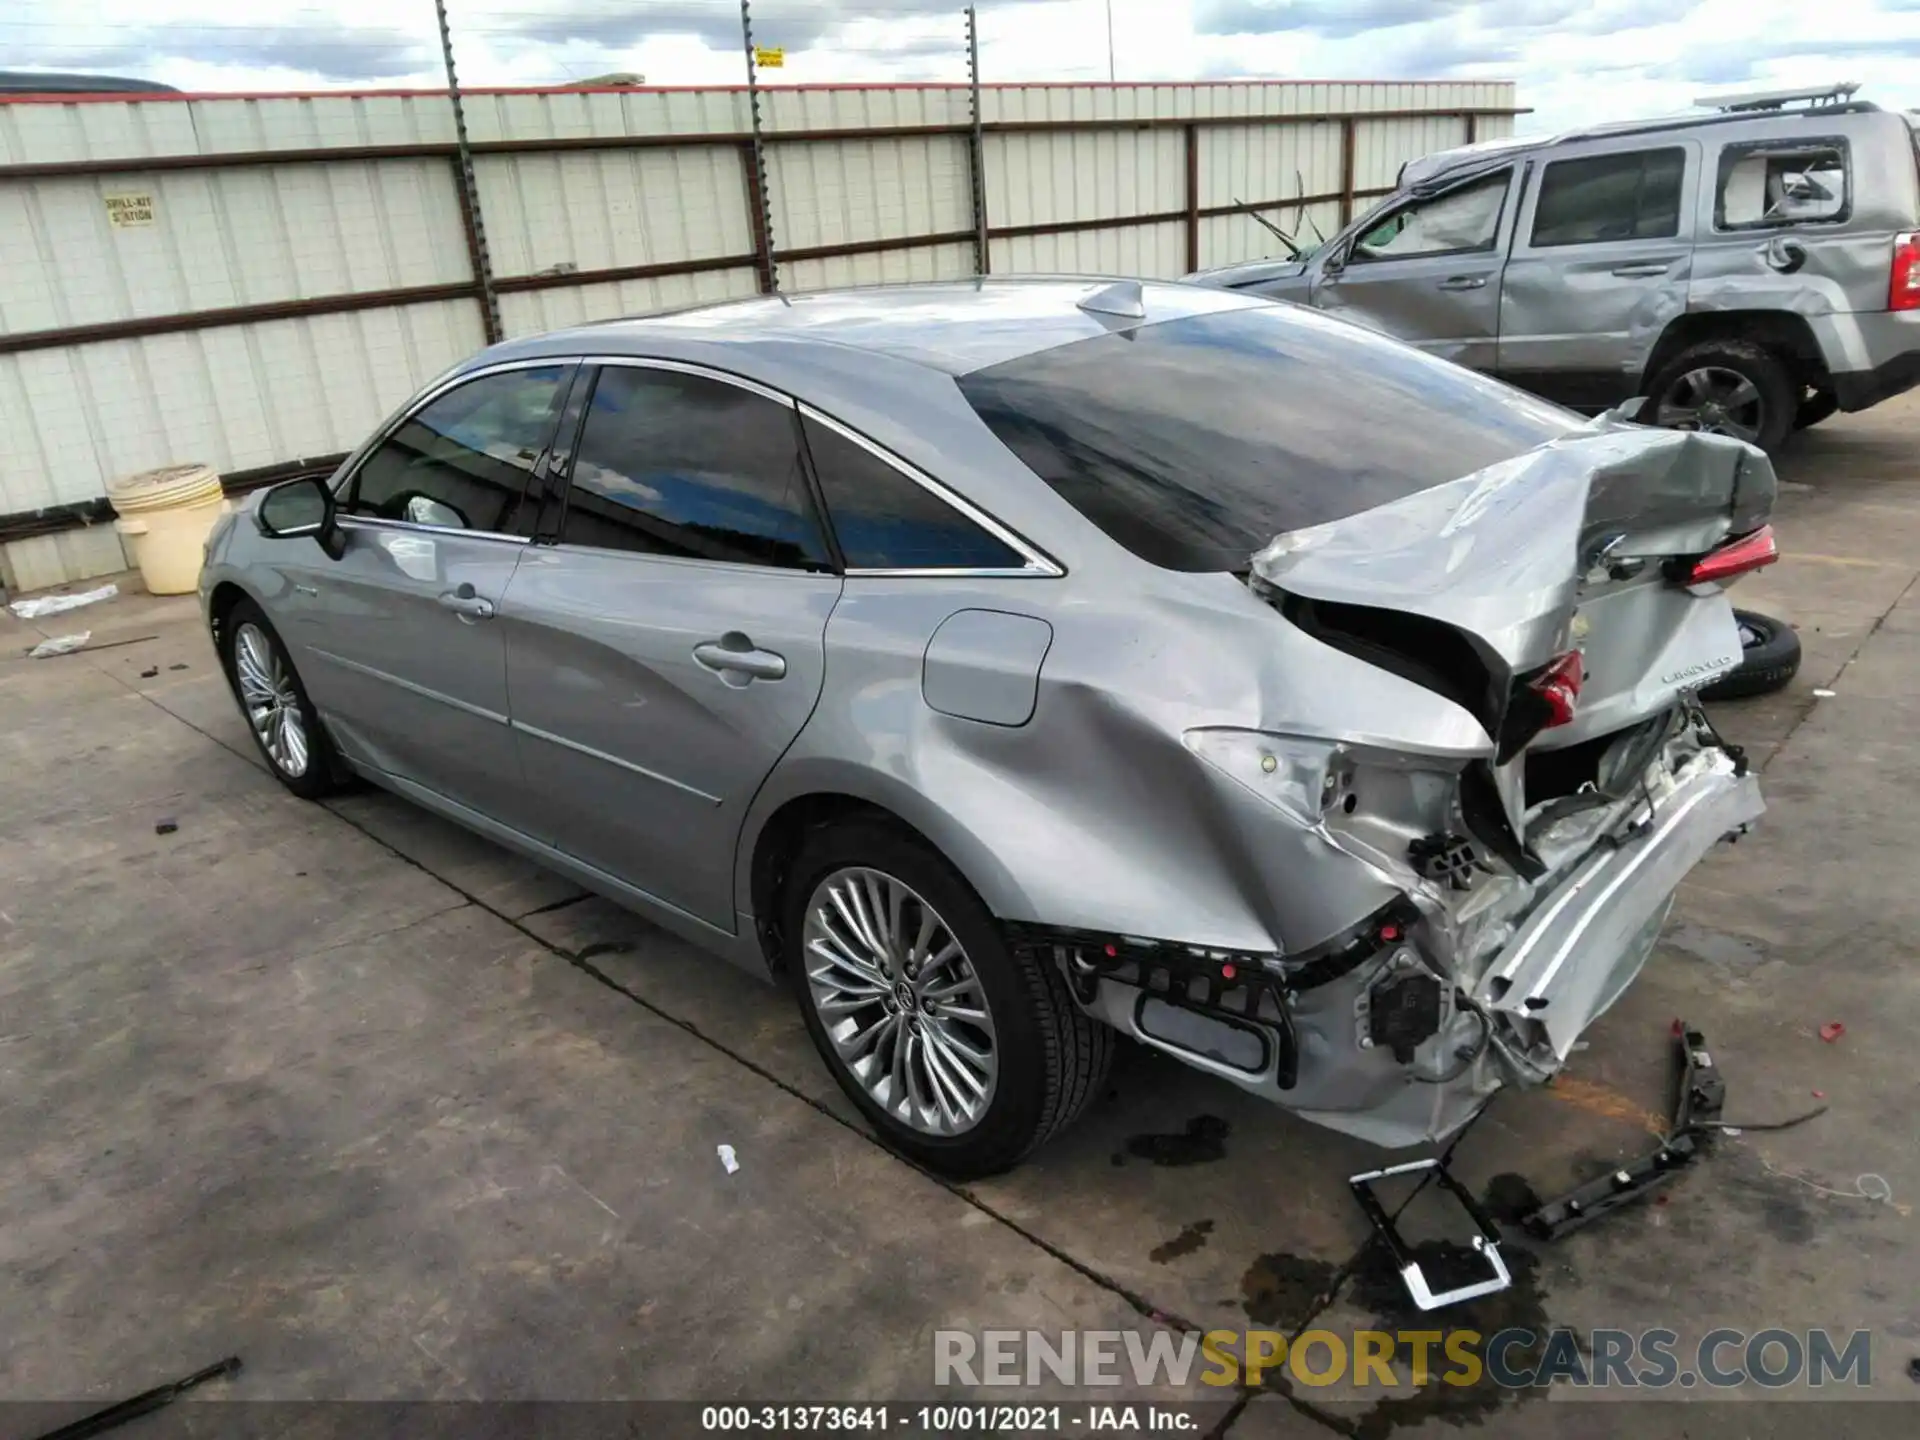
[395,1115]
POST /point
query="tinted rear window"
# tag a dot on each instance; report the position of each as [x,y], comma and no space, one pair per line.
[1194,442]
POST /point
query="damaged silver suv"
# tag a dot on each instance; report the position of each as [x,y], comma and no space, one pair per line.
[1019,664]
[1748,271]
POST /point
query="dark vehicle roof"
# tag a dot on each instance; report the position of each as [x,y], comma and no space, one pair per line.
[52,82]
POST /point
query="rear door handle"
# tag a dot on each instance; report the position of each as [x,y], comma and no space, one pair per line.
[1463,282]
[467,605]
[735,654]
[1643,270]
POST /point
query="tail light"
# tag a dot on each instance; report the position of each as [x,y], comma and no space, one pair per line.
[1903,286]
[1558,685]
[1736,557]
[1540,700]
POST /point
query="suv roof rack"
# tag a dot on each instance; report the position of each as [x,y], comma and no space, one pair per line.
[1751,100]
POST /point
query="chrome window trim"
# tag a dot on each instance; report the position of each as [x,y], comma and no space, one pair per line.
[349,471]
[413,527]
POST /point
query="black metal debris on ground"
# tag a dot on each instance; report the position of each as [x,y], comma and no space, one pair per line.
[144,1403]
[1699,1099]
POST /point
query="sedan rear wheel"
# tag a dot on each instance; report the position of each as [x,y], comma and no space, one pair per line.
[900,1001]
[963,1053]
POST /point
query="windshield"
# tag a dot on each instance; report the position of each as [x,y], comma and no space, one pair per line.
[1195,441]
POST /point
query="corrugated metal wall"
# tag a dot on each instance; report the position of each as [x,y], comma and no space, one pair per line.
[282,271]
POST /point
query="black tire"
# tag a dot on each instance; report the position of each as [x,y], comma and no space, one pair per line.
[323,773]
[1779,393]
[1052,1057]
[1817,406]
[1765,666]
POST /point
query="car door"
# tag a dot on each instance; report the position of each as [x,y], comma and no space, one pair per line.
[669,646]
[1428,271]
[1600,264]
[399,637]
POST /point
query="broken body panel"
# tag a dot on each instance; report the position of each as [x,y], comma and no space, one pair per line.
[1514,950]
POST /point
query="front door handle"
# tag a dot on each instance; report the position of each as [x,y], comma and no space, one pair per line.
[467,605]
[735,654]
[1463,282]
[1643,270]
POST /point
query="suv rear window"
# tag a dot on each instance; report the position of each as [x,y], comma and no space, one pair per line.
[1196,441]
[1781,183]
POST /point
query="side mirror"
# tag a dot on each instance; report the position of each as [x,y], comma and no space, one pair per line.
[299,508]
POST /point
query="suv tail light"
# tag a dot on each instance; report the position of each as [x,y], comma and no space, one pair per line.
[1558,684]
[1736,557]
[1903,287]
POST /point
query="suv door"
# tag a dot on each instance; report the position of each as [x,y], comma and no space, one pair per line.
[407,659]
[1599,266]
[669,646]
[1427,271]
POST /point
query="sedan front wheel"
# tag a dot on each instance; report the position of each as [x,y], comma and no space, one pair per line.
[282,719]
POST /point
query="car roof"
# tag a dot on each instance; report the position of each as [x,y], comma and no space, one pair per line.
[1444,167]
[951,327]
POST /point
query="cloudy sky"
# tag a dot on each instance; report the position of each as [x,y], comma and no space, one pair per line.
[1575,60]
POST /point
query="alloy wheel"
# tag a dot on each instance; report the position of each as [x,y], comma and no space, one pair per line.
[1716,400]
[900,1001]
[267,694]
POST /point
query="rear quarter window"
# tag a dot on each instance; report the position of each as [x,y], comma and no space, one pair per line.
[1195,442]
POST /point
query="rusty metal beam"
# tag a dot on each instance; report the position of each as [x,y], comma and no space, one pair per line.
[874,247]
[509,284]
[416,150]
[144,325]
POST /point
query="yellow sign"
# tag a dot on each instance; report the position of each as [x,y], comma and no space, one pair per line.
[126,212]
[769,57]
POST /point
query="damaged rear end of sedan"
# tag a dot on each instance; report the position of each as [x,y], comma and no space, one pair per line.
[1472,769]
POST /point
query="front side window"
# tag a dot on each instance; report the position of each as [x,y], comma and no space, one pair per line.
[1781,184]
[1630,196]
[1194,442]
[463,461]
[686,465]
[884,520]
[1461,220]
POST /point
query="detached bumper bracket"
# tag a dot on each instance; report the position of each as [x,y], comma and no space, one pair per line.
[1487,1242]
[1700,1095]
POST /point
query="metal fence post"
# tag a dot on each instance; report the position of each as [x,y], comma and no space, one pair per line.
[1349,143]
[469,192]
[757,199]
[1193,198]
[977,151]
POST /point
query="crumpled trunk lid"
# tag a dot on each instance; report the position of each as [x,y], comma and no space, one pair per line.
[1560,548]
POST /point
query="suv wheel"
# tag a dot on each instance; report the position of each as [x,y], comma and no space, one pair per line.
[283,721]
[1727,387]
[962,1052]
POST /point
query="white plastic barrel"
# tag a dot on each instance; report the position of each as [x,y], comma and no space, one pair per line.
[167,514]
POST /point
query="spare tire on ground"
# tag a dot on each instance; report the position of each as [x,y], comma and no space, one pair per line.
[1770,657]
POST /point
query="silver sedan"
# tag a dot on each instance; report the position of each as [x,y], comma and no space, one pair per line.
[1014,665]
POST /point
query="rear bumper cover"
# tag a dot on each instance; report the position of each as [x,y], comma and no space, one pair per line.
[1871,355]
[1582,936]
